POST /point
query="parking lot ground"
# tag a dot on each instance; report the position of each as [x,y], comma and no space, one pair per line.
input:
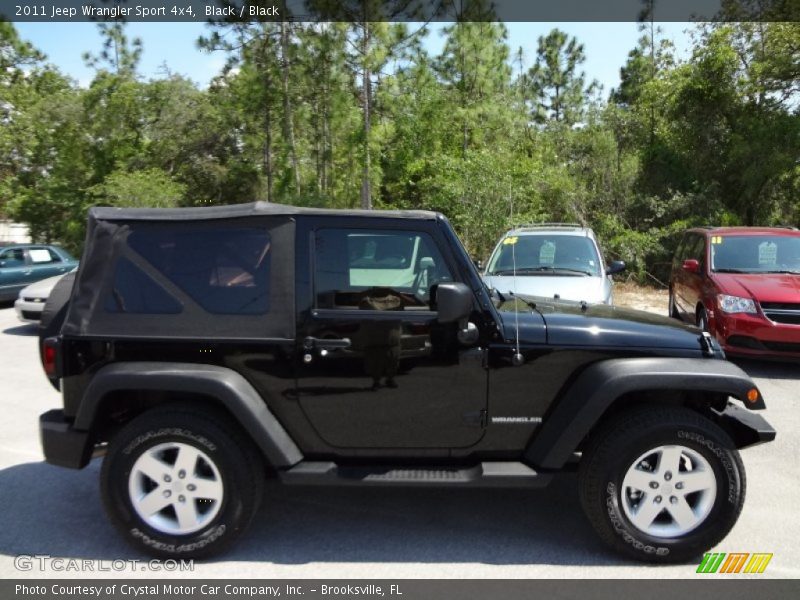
[370,533]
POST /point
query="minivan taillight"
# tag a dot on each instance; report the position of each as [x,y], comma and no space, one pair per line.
[50,348]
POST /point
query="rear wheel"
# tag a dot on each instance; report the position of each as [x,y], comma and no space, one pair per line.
[662,484]
[181,484]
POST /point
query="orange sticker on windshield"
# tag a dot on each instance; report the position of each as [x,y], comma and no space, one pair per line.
[509,241]
[716,239]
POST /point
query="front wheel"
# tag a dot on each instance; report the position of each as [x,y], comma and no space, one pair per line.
[181,483]
[662,484]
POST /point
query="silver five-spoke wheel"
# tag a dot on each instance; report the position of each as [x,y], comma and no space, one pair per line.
[175,488]
[668,491]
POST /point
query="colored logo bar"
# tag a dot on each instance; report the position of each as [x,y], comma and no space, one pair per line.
[734,562]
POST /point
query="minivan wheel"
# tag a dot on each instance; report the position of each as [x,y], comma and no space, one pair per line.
[181,484]
[702,318]
[661,484]
[673,310]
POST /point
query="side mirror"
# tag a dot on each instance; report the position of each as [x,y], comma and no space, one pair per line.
[2,264]
[691,265]
[454,302]
[618,266]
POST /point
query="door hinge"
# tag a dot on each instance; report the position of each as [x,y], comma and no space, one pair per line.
[477,418]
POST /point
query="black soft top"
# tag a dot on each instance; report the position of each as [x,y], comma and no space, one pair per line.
[253,209]
[122,285]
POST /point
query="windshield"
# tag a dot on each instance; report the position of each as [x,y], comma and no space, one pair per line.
[550,254]
[755,254]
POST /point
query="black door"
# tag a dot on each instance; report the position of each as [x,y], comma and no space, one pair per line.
[377,369]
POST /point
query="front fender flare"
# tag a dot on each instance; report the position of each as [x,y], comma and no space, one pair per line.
[226,386]
[583,403]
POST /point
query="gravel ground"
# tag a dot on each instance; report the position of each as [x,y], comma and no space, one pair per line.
[639,297]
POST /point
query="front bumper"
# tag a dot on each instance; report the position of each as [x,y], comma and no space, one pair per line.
[756,336]
[745,427]
[28,311]
[62,445]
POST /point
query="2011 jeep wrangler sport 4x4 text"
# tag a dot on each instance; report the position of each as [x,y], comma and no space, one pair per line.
[202,350]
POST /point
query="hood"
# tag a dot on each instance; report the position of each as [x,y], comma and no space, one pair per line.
[40,289]
[591,289]
[763,287]
[563,323]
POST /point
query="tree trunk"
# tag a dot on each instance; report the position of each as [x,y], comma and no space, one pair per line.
[267,80]
[267,158]
[366,192]
[326,142]
[268,148]
[288,119]
[318,141]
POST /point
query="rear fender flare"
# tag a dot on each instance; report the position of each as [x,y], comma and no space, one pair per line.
[224,385]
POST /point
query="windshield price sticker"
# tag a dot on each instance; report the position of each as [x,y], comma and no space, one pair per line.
[547,253]
[509,241]
[767,253]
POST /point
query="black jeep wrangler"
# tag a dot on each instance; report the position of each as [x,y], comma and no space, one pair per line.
[202,350]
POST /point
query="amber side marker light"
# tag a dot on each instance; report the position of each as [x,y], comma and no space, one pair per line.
[752,395]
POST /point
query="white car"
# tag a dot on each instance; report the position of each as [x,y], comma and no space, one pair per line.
[553,260]
[31,300]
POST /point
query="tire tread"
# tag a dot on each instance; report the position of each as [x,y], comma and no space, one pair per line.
[612,438]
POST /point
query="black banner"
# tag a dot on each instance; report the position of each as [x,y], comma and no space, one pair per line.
[400,10]
[402,589]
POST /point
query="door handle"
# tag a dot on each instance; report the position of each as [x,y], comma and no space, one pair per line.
[325,343]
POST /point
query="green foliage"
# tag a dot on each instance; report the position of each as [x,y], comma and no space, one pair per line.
[15,53]
[558,89]
[120,55]
[151,188]
[354,112]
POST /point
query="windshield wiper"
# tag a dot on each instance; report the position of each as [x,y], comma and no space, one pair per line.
[503,272]
[548,270]
[581,271]
[784,271]
[732,271]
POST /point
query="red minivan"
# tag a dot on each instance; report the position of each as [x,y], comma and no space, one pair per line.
[742,284]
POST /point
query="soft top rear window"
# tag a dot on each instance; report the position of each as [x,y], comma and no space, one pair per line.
[224,270]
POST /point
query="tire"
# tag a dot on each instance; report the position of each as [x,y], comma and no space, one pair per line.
[167,508]
[673,310]
[702,318]
[616,460]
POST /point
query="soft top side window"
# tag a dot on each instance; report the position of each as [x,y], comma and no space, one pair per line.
[376,269]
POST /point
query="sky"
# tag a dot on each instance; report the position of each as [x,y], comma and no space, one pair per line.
[174,44]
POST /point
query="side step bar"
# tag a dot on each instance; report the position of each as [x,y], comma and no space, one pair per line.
[485,474]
